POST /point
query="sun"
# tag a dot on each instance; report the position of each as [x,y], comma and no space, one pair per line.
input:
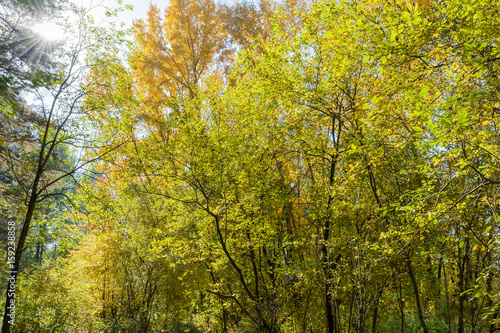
[49,31]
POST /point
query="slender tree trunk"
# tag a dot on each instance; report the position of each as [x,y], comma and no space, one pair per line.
[448,317]
[417,296]
[329,309]
[461,300]
[401,307]
[328,265]
[10,305]
[326,257]
[375,311]
[462,286]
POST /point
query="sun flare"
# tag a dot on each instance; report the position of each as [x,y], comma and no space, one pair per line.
[49,31]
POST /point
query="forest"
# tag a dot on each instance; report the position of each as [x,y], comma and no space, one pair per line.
[270,166]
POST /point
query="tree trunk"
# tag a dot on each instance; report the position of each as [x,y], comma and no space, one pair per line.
[329,309]
[326,258]
[10,311]
[417,296]
[375,311]
[462,285]
[401,307]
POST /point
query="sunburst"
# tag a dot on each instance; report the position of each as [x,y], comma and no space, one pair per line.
[49,31]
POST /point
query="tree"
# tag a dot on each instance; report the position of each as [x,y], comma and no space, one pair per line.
[346,163]
[45,173]
[25,58]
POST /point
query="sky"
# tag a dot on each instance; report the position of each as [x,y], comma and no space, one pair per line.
[98,9]
[140,8]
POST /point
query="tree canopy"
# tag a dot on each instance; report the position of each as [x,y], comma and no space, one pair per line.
[293,166]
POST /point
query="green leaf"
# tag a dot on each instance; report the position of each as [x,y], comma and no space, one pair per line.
[467,292]
[394,34]
[406,17]
[446,122]
[7,109]
[424,91]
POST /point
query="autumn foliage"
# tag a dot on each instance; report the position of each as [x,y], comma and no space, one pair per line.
[328,166]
